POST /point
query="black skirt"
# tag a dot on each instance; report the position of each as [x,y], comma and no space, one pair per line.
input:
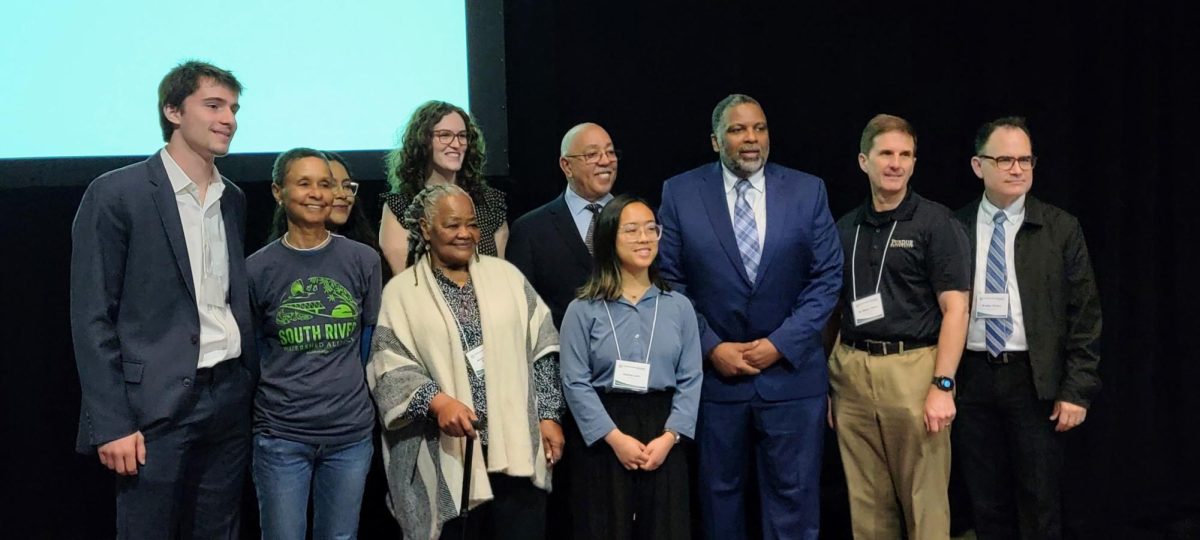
[610,502]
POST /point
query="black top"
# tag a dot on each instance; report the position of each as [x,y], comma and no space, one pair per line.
[492,212]
[929,254]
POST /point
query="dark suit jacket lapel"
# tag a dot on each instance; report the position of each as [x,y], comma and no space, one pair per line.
[1022,259]
[168,212]
[777,214]
[564,224]
[717,207]
[232,216]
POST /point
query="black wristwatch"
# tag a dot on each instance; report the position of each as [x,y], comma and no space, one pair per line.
[944,383]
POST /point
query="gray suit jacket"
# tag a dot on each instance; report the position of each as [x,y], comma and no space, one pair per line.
[134,321]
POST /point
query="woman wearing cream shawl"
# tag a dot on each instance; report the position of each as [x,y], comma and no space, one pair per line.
[464,338]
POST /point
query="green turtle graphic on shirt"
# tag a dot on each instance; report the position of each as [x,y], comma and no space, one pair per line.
[317,315]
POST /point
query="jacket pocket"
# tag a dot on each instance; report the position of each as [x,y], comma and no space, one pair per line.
[133,372]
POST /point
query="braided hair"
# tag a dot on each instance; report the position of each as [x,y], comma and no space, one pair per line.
[424,207]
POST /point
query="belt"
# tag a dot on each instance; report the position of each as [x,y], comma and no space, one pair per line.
[1006,357]
[884,348]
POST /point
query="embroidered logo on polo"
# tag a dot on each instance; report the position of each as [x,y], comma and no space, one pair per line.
[898,243]
[316,315]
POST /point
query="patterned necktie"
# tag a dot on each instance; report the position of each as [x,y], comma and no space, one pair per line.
[996,281]
[745,230]
[587,238]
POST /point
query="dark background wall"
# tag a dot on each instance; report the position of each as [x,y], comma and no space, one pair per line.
[1108,92]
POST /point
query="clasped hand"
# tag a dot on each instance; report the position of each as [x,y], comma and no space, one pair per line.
[731,358]
[634,455]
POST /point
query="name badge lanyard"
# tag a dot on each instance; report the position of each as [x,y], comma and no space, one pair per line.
[617,342]
[854,260]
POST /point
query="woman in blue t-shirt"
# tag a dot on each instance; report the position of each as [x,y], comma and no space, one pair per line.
[631,372]
[314,295]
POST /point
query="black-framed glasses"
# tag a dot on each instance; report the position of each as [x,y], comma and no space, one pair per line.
[1005,163]
[349,187]
[593,156]
[444,136]
[634,232]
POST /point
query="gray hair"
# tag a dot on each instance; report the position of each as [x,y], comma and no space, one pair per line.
[424,207]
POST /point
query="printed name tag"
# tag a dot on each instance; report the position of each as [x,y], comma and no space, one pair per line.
[633,376]
[475,358]
[991,306]
[867,309]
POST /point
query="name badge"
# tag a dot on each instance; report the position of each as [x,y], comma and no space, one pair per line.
[475,358]
[633,376]
[867,309]
[991,306]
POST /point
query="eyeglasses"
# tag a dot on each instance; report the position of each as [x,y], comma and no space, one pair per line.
[634,232]
[593,156]
[444,136]
[1005,163]
[349,188]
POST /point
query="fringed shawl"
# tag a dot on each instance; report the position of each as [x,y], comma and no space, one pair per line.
[417,340]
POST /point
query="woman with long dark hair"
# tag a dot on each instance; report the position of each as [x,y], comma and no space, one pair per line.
[441,145]
[631,372]
[314,295]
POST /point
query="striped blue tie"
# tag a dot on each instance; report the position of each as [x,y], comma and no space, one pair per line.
[745,229]
[996,281]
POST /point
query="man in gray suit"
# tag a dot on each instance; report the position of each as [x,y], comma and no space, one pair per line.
[160,318]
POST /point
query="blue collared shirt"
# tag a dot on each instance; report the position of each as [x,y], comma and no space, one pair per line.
[579,212]
[588,356]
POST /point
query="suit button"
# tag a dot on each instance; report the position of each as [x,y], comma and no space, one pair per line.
[187,383]
[195,340]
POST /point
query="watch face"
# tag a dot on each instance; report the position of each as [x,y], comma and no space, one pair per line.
[944,383]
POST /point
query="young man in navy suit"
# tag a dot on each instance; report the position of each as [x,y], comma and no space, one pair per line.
[160,318]
[755,248]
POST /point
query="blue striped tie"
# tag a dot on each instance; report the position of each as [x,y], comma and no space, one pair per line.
[996,281]
[745,229]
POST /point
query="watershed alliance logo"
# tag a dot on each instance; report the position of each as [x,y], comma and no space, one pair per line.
[316,315]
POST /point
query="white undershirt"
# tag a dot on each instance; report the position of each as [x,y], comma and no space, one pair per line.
[208,254]
[976,332]
[756,195]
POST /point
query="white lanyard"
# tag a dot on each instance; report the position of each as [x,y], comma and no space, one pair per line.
[854,260]
[617,342]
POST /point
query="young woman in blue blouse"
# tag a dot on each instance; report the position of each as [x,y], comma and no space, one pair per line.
[631,371]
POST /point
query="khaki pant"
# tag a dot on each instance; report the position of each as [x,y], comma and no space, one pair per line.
[897,473]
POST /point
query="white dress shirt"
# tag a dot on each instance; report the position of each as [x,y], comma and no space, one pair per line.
[756,195]
[984,224]
[204,233]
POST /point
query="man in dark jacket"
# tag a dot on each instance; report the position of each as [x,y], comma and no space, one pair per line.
[1033,345]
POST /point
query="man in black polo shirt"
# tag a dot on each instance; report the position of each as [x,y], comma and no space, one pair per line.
[903,323]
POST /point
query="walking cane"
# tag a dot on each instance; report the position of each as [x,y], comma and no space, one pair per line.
[466,487]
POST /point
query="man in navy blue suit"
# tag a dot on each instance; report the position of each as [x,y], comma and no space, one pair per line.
[160,318]
[755,248]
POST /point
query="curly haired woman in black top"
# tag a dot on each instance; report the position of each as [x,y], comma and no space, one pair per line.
[441,144]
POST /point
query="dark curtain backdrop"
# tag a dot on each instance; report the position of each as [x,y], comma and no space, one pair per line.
[1108,91]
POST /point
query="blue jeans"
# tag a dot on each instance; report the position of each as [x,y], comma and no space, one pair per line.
[286,472]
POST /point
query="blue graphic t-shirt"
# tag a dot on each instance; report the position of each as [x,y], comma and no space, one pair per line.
[310,308]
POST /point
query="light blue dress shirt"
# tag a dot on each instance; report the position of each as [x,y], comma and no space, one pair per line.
[588,356]
[579,212]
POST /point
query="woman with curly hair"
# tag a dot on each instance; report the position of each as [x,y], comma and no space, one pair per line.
[441,145]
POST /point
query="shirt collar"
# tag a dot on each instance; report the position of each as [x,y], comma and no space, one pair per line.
[577,204]
[180,181]
[757,180]
[1014,211]
[903,212]
[652,292]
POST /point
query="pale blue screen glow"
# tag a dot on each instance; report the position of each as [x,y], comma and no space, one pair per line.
[81,77]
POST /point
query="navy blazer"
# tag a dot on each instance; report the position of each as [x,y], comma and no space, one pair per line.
[545,245]
[133,304]
[799,277]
